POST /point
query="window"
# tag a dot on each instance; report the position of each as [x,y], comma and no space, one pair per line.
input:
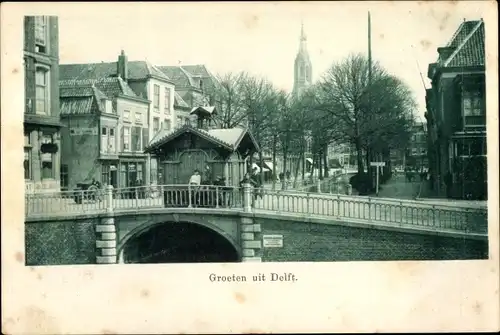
[126,139]
[138,117]
[473,104]
[167,101]
[156,125]
[64,176]
[42,92]
[40,33]
[112,141]
[47,160]
[126,115]
[187,121]
[136,138]
[168,125]
[105,174]
[27,163]
[156,98]
[108,140]
[104,140]
[179,121]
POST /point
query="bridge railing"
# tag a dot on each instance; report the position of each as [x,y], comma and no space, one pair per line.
[392,211]
[133,198]
[373,210]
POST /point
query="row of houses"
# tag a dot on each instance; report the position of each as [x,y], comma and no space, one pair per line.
[93,121]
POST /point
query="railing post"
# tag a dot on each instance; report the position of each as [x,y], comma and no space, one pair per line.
[247,197]
[109,198]
[216,196]
[189,196]
[137,197]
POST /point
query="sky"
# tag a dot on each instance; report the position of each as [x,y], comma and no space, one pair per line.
[263,38]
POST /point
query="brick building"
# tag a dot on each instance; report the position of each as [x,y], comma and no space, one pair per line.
[416,153]
[105,134]
[147,82]
[41,114]
[456,115]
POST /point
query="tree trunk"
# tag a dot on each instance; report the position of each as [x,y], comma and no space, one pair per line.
[359,156]
[261,163]
[285,157]
[320,164]
[296,174]
[325,162]
[274,162]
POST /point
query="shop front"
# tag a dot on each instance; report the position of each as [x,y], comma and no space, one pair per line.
[109,173]
[132,173]
[469,167]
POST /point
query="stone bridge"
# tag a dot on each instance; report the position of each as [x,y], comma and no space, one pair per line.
[280,226]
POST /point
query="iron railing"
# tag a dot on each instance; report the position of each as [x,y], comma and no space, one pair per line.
[375,210]
[380,211]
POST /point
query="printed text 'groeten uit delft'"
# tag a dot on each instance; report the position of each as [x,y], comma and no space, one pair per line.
[275,277]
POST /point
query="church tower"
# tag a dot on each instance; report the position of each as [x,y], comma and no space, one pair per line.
[303,67]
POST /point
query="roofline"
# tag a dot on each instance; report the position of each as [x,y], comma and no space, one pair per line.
[133,98]
[184,129]
[186,108]
[466,39]
[154,76]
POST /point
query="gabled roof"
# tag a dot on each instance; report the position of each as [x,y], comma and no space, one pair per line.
[227,138]
[179,102]
[78,100]
[110,87]
[179,76]
[468,45]
[137,70]
[207,110]
[197,70]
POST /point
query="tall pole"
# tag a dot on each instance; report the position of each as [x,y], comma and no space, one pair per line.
[369,49]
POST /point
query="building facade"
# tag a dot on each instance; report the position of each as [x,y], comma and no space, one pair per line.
[147,82]
[456,115]
[106,131]
[41,114]
[416,153]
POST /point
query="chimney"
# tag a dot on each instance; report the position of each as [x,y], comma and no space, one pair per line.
[445,52]
[122,66]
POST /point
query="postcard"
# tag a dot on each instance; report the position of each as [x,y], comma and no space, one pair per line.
[249,167]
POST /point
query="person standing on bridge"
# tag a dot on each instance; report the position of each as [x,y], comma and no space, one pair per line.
[193,186]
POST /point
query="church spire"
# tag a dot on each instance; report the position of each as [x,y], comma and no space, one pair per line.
[303,67]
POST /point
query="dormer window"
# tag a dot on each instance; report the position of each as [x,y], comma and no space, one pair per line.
[41,34]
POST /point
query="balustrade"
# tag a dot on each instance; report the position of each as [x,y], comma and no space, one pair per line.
[245,198]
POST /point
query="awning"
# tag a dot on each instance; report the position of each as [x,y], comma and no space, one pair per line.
[269,165]
[255,166]
[309,160]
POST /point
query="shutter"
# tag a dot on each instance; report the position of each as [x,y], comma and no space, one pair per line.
[122,144]
[145,137]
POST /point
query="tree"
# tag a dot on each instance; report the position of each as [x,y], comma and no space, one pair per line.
[371,114]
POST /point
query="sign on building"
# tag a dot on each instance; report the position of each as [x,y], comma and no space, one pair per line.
[272,241]
[82,131]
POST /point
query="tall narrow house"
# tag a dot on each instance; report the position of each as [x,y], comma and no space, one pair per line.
[456,115]
[41,114]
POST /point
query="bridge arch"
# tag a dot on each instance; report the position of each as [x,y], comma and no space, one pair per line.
[183,241]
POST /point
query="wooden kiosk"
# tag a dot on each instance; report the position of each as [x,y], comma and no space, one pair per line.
[220,155]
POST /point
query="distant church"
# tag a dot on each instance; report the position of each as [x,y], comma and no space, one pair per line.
[302,67]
